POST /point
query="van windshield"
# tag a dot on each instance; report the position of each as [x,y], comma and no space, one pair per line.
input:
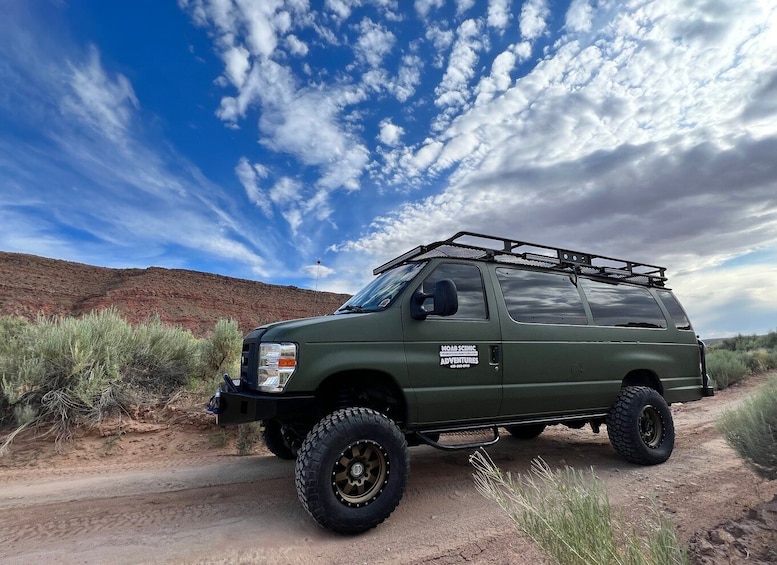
[382,291]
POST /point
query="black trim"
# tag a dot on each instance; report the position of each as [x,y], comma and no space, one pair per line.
[240,408]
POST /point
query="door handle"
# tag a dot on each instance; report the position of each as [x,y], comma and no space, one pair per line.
[496,355]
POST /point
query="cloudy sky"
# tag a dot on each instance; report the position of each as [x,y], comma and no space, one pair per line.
[255,138]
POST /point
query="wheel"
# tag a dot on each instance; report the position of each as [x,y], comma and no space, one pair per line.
[529,431]
[352,470]
[640,426]
[275,442]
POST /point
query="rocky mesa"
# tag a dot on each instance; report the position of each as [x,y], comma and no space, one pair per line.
[32,286]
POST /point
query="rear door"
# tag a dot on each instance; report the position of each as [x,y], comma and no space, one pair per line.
[454,362]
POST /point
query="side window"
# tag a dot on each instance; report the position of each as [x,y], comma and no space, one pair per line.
[679,318]
[469,286]
[622,305]
[541,298]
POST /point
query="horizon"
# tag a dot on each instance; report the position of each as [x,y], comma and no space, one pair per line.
[253,140]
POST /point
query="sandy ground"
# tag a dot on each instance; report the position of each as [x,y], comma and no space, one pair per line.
[166,492]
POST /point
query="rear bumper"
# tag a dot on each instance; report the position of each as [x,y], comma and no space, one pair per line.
[239,407]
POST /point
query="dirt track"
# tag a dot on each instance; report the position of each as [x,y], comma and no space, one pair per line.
[169,496]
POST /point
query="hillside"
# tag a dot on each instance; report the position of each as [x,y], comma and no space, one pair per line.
[31,285]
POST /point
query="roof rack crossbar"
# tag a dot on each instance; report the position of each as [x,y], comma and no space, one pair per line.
[505,250]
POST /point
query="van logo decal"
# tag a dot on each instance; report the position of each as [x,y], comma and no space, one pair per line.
[459,356]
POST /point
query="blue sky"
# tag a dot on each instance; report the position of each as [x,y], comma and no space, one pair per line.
[255,138]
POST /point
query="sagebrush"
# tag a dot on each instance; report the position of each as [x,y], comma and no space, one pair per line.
[568,515]
[61,373]
[751,429]
[734,359]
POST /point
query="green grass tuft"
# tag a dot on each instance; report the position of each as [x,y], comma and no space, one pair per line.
[568,515]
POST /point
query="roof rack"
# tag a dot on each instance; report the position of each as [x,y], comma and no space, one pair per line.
[479,247]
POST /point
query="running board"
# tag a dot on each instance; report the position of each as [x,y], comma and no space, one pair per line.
[474,445]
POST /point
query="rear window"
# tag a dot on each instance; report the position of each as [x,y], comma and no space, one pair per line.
[541,298]
[622,305]
[676,312]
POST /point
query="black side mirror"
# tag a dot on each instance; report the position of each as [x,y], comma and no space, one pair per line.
[446,301]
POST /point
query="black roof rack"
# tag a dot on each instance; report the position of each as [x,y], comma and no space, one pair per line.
[479,247]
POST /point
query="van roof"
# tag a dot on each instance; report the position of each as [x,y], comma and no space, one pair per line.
[478,247]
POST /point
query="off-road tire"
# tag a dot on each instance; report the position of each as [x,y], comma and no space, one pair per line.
[352,470]
[275,442]
[529,431]
[640,426]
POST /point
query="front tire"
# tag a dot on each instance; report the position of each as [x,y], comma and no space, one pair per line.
[352,470]
[275,442]
[640,426]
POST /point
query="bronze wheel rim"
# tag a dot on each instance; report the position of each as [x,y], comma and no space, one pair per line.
[360,473]
[651,426]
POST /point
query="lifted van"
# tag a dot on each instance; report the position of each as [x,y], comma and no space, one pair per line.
[471,333]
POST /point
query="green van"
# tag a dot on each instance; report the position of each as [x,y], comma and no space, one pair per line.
[471,333]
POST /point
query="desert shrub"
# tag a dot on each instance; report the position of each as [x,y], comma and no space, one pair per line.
[751,429]
[66,371]
[727,367]
[62,373]
[247,436]
[221,352]
[749,342]
[568,515]
[162,358]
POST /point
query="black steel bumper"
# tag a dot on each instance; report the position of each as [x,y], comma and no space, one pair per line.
[239,407]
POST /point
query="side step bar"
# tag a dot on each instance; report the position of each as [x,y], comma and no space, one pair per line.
[473,445]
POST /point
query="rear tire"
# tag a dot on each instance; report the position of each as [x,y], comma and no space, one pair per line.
[275,442]
[529,431]
[352,470]
[640,426]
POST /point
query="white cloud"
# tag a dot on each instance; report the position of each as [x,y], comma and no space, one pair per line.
[463,6]
[296,46]
[318,271]
[390,134]
[249,176]
[264,22]
[533,22]
[374,43]
[423,7]
[578,18]
[285,191]
[498,13]
[453,88]
[499,80]
[103,104]
[237,65]
[408,78]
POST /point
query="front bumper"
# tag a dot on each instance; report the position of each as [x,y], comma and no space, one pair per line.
[240,407]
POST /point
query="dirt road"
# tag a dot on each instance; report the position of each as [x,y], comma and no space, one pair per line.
[170,496]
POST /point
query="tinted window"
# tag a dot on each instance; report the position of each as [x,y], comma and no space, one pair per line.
[469,285]
[622,305]
[541,298]
[679,318]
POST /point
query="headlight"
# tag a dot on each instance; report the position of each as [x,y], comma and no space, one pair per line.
[277,362]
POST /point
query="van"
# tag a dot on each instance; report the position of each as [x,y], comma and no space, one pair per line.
[471,333]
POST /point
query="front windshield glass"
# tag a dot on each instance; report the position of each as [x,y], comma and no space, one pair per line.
[382,291]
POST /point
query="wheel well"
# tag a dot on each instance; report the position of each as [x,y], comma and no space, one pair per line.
[643,377]
[371,389]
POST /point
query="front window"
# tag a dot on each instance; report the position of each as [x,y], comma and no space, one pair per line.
[469,289]
[382,291]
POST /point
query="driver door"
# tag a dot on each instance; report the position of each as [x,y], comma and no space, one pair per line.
[454,361]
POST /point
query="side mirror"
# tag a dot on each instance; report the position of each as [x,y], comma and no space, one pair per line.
[446,301]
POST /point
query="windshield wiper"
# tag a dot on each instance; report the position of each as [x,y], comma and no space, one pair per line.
[353,309]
